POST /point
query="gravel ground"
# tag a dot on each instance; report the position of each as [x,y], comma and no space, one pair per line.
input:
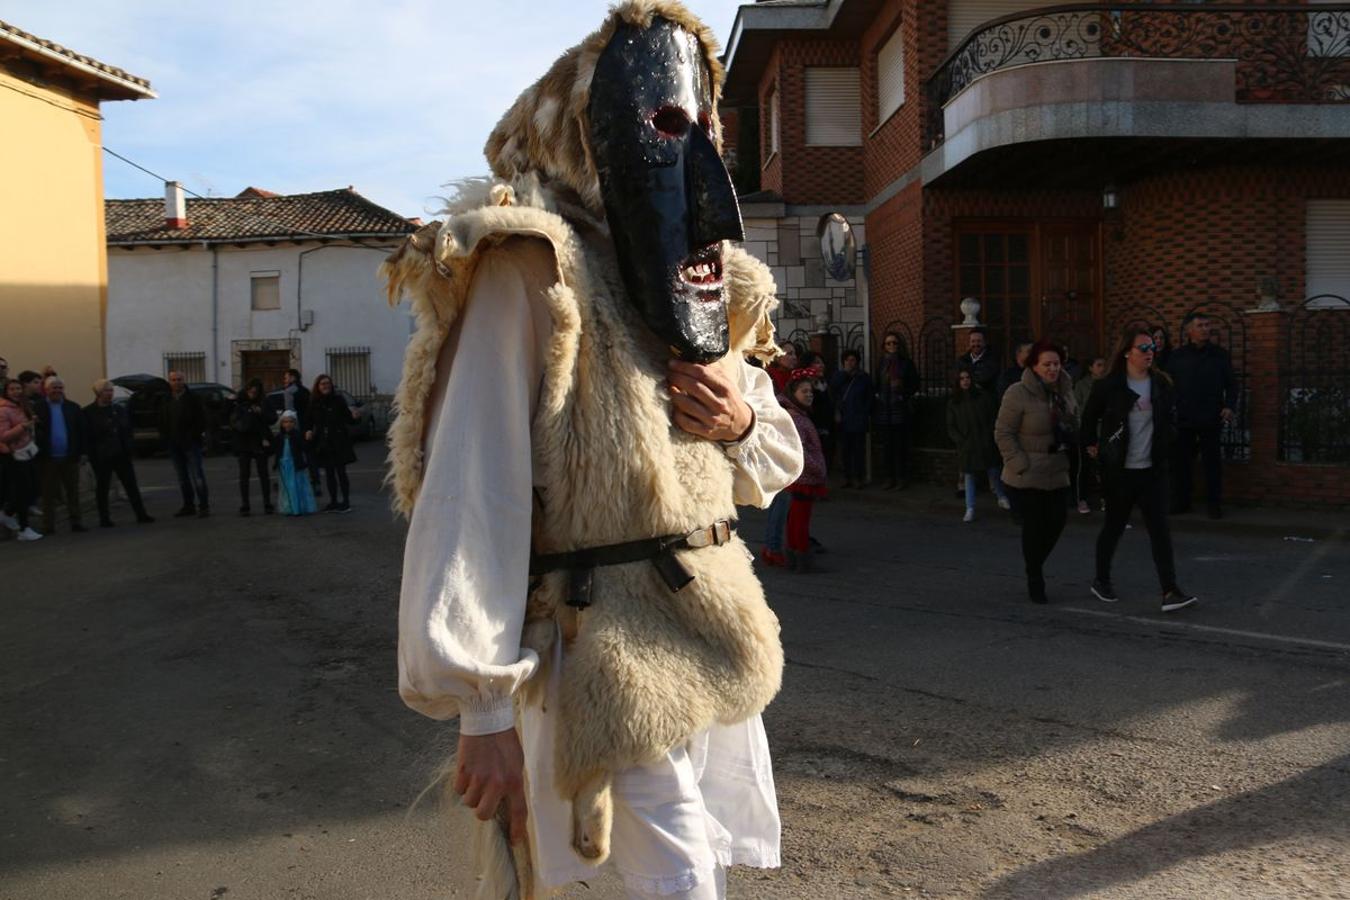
[208,709]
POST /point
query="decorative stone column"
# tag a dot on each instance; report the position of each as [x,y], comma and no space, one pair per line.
[970,309]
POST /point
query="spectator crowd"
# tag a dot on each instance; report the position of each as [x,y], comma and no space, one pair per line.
[45,437]
[1047,435]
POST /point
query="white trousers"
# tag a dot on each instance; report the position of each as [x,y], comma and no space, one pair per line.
[660,844]
[708,804]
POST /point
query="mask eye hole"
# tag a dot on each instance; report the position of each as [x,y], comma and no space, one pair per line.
[671,122]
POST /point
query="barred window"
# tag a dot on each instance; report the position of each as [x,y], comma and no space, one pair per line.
[349,367]
[191,365]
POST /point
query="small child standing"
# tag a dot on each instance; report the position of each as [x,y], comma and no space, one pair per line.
[297,497]
[970,425]
[811,485]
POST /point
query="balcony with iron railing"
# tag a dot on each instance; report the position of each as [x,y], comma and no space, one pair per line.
[1188,62]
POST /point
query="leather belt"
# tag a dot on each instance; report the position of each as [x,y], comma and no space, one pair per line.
[660,550]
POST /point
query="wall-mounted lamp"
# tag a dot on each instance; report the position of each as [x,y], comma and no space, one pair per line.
[1110,197]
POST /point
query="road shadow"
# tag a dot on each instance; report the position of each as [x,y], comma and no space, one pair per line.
[1311,803]
[198,680]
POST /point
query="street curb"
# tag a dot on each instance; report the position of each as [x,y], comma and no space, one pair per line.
[1295,525]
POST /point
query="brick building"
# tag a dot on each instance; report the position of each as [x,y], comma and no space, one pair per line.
[1075,169]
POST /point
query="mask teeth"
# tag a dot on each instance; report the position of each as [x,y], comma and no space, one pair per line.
[703,269]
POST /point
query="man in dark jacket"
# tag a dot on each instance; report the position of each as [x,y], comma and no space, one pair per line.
[981,361]
[1206,395]
[61,443]
[851,391]
[182,426]
[111,451]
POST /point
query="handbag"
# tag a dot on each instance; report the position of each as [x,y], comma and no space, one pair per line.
[26,452]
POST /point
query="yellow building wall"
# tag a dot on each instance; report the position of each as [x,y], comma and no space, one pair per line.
[53,253]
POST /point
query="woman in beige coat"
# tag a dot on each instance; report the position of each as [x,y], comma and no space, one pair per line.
[1035,420]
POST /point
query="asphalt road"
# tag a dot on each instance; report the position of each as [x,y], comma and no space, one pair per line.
[208,709]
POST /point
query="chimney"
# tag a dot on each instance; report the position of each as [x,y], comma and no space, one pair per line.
[175,207]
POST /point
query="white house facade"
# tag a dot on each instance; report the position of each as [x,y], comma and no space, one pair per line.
[229,289]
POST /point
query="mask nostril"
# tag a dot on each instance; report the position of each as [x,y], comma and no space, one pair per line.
[671,121]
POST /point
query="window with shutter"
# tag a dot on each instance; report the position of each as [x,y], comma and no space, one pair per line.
[890,76]
[833,110]
[265,290]
[1328,249]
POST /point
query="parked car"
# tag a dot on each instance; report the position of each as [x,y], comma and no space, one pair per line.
[217,402]
[143,395]
[362,428]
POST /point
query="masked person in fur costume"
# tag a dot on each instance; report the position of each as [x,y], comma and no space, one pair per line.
[577,425]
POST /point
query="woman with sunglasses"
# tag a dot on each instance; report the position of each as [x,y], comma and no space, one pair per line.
[1129,427]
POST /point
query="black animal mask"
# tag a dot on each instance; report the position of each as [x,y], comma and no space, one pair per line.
[668,198]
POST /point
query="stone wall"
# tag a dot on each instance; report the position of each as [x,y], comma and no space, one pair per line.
[789,246]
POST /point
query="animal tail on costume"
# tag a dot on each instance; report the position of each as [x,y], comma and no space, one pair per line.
[593,819]
[504,871]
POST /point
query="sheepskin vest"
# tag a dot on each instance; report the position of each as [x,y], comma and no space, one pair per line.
[645,668]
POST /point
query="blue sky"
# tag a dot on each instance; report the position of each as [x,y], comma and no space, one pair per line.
[394,98]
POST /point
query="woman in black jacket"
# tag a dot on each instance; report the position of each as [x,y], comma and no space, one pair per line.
[896,382]
[108,427]
[329,435]
[252,435]
[1129,427]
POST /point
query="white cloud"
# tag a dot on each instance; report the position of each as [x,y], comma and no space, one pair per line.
[395,98]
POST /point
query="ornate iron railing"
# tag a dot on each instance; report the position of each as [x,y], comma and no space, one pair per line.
[1315,383]
[1284,54]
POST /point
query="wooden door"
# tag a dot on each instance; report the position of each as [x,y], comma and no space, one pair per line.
[268,365]
[1070,275]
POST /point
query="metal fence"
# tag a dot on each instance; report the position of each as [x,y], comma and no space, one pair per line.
[191,365]
[349,367]
[1315,383]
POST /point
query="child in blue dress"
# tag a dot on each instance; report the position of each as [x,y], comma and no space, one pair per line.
[297,497]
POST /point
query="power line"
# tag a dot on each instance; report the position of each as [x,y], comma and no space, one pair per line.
[156,175]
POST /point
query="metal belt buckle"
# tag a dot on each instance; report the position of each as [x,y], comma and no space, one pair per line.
[716,535]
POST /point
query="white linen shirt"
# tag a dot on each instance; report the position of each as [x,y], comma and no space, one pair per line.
[466,561]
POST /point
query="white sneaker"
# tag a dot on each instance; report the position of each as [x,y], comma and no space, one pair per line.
[969,516]
[1083,508]
[9,521]
[1003,503]
[29,534]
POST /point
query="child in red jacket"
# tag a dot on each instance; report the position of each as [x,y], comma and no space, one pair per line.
[811,485]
